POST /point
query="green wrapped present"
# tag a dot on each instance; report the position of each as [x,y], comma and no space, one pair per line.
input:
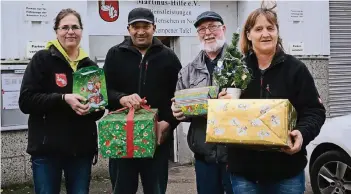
[90,83]
[193,102]
[128,134]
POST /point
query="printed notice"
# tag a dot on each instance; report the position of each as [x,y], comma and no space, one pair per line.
[296,15]
[35,11]
[296,48]
[11,82]
[10,100]
[33,47]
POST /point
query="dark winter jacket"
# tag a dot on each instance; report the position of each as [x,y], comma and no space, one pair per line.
[53,127]
[195,75]
[286,78]
[154,76]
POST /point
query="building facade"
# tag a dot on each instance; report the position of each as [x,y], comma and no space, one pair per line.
[317,32]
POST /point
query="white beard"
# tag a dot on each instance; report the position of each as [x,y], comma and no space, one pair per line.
[213,47]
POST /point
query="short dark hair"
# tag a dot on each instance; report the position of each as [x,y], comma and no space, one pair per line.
[63,13]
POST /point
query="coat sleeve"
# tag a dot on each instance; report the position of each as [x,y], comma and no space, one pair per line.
[309,107]
[112,92]
[165,113]
[34,99]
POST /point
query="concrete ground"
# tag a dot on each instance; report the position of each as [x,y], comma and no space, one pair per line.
[181,181]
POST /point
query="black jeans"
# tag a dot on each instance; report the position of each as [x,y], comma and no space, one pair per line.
[124,173]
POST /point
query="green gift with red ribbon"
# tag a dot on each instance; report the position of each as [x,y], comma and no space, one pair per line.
[128,133]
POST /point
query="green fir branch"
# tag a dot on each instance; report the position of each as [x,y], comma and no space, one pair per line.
[233,73]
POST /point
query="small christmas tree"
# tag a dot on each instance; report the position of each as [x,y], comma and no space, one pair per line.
[231,71]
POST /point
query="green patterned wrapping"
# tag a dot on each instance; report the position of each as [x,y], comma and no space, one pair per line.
[113,134]
[193,102]
[90,83]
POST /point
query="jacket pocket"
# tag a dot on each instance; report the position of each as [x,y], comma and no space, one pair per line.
[198,82]
[197,137]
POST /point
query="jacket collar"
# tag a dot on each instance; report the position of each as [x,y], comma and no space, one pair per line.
[278,58]
[199,61]
[128,44]
[56,53]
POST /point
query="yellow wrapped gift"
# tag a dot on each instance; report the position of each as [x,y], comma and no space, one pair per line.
[250,121]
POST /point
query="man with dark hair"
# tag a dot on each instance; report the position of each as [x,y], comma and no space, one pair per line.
[141,66]
[210,159]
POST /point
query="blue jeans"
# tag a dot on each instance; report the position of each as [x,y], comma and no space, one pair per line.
[295,185]
[124,172]
[47,174]
[212,178]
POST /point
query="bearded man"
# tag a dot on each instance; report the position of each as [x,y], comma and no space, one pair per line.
[210,159]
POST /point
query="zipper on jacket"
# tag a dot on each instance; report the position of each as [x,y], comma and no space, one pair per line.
[268,92]
[140,75]
[44,139]
[261,86]
[145,72]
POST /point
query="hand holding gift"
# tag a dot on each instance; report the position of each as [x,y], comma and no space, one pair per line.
[74,100]
[297,141]
[89,82]
[133,100]
[177,112]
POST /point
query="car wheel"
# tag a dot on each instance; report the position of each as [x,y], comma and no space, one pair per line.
[331,173]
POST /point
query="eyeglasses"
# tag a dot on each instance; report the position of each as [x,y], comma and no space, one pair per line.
[211,28]
[66,28]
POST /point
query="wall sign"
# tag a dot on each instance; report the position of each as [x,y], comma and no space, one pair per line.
[296,48]
[296,15]
[36,11]
[33,47]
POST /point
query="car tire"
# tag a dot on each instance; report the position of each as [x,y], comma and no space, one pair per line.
[327,157]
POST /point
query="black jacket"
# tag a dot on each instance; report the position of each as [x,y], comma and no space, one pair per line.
[286,78]
[53,127]
[153,77]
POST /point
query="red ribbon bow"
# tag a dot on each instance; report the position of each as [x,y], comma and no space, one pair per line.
[130,126]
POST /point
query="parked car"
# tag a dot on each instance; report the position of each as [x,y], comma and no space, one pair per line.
[330,157]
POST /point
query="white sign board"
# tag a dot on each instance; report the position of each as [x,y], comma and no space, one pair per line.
[11,81]
[33,47]
[10,100]
[296,15]
[36,11]
[296,48]
[172,17]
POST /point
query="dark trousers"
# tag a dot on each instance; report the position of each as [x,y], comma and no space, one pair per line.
[124,173]
[212,178]
[47,174]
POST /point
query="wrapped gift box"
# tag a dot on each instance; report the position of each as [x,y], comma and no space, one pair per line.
[90,83]
[128,134]
[254,122]
[193,102]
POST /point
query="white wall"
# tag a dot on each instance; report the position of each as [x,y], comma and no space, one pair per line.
[228,11]
[15,32]
[313,31]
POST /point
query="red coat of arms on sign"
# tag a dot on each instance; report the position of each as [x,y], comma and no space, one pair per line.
[109,10]
[61,79]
